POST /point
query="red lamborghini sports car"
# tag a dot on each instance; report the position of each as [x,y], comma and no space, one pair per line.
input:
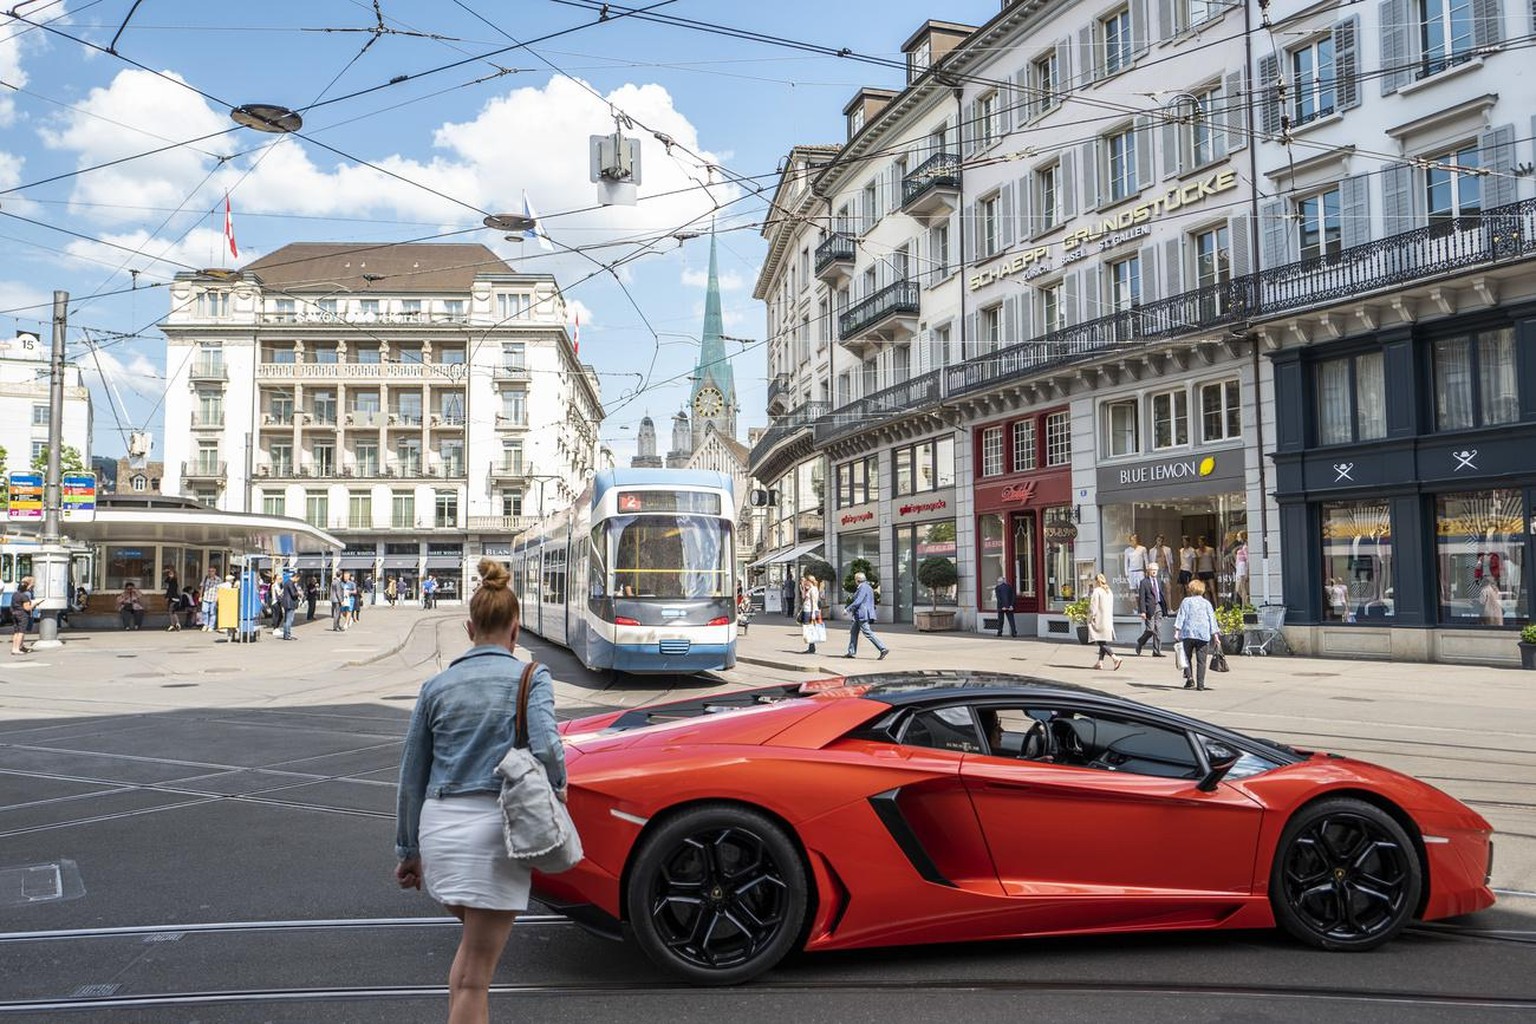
[723,832]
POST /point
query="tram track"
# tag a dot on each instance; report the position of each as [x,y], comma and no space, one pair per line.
[771,988]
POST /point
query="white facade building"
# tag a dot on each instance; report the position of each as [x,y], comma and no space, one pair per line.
[24,403]
[421,401]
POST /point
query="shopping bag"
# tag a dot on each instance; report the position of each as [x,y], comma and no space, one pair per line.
[821,631]
[1180,659]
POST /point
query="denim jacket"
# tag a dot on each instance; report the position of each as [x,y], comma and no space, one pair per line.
[862,607]
[464,723]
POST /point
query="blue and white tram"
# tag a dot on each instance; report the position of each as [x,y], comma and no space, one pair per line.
[637,575]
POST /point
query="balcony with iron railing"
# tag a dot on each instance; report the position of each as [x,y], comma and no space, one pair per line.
[208,420]
[889,315]
[835,257]
[930,192]
[208,370]
[447,420]
[780,394]
[766,454]
[509,469]
[512,422]
[202,469]
[369,371]
[1418,258]
[509,372]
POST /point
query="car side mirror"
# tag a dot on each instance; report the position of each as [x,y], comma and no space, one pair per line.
[1221,758]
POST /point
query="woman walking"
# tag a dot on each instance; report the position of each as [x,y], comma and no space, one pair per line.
[811,626]
[465,721]
[1195,628]
[1101,620]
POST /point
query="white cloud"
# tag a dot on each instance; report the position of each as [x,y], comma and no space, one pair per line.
[530,139]
[730,281]
[576,309]
[19,295]
[162,255]
[138,375]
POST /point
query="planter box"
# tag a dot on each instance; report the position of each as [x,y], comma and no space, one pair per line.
[1082,634]
[1528,656]
[934,622]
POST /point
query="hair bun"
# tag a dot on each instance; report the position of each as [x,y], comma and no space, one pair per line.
[493,574]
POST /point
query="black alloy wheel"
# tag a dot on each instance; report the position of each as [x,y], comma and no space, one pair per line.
[1345,877]
[717,895]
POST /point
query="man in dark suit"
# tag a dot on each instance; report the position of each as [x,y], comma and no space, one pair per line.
[1152,602]
[1005,596]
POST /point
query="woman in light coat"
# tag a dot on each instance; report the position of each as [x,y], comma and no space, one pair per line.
[1101,620]
[810,618]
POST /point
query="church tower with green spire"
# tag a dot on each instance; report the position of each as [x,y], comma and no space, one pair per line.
[713,401]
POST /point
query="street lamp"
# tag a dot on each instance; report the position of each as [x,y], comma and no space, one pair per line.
[267,117]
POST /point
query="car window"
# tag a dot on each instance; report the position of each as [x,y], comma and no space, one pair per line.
[944,729]
[1117,744]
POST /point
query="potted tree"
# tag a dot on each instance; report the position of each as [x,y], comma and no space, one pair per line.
[1528,647]
[1077,614]
[936,573]
[1229,619]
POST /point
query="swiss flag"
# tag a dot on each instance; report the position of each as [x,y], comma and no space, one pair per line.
[229,229]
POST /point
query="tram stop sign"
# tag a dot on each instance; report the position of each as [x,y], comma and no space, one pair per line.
[26,500]
[79,495]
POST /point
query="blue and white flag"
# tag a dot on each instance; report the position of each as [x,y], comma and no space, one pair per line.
[536,231]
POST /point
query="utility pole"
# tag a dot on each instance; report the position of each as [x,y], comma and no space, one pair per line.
[52,561]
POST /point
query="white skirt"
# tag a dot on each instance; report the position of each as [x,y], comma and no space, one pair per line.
[464,857]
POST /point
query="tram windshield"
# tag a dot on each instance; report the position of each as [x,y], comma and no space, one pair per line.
[670,556]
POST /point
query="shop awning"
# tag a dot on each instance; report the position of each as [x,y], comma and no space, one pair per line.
[443,561]
[355,562]
[309,562]
[788,554]
[400,561]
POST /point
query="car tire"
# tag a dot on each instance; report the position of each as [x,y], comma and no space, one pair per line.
[1345,876]
[718,894]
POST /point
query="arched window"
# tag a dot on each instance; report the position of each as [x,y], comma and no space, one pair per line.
[139,482]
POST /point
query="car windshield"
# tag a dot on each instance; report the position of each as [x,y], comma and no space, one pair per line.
[670,556]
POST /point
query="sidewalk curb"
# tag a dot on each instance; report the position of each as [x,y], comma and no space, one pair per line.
[404,641]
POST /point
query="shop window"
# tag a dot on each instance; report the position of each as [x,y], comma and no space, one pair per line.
[1357,561]
[1480,542]
[1351,399]
[1024,554]
[992,559]
[1060,547]
[992,451]
[1220,415]
[1024,454]
[1058,439]
[1170,419]
[1122,427]
[129,564]
[1475,380]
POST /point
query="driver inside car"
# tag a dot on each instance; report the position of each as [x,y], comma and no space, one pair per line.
[1035,744]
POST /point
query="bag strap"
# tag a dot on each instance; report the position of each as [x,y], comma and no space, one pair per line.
[521,737]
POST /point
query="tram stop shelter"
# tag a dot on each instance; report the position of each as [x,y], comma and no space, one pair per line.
[138,538]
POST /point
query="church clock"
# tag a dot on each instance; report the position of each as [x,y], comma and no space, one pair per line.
[709,402]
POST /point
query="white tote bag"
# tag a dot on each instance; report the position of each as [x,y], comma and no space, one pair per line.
[536,825]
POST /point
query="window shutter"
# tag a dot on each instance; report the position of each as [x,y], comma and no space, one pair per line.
[1146,272]
[1063,67]
[968,233]
[1024,205]
[1397,199]
[1237,235]
[893,198]
[1354,211]
[1087,60]
[930,271]
[971,343]
[1396,45]
[1275,231]
[1487,22]
[1145,177]
[1093,297]
[1021,318]
[1006,98]
[1088,153]
[1173,267]
[1141,26]
[1009,323]
[855,223]
[1269,107]
[968,130]
[1170,135]
[1165,25]
[1496,153]
[1235,97]
[1346,66]
[1069,310]
[1066,183]
[1005,217]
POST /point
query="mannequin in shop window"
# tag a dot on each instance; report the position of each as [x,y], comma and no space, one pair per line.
[1205,567]
[1240,567]
[1186,565]
[1160,553]
[1135,562]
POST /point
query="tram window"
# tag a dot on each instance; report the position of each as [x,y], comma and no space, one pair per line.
[598,580]
[671,556]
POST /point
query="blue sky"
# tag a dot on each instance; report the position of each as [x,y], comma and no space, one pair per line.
[476,135]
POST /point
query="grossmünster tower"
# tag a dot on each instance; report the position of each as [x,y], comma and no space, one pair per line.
[714,388]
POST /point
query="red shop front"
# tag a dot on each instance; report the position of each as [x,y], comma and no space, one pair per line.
[1025,528]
